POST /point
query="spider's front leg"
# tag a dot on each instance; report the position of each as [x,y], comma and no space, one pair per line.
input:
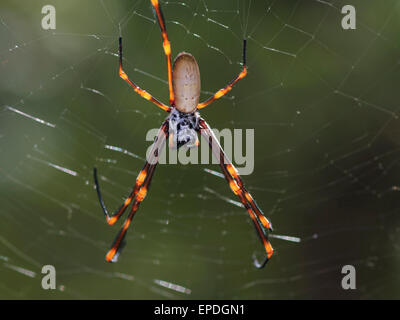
[138,194]
[260,222]
[143,174]
[113,253]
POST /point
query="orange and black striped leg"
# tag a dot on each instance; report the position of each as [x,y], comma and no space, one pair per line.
[166,46]
[260,222]
[141,92]
[113,253]
[232,171]
[220,93]
[111,219]
[158,144]
[146,177]
[230,168]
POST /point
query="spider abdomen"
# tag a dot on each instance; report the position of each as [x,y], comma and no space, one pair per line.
[186,82]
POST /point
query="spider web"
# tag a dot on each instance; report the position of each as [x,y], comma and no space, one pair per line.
[323,102]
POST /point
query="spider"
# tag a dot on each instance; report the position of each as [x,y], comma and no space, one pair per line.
[181,128]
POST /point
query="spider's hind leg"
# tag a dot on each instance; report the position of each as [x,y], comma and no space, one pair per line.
[166,46]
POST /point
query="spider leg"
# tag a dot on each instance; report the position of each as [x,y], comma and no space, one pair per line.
[230,85]
[233,173]
[166,46]
[236,184]
[113,253]
[141,92]
[143,174]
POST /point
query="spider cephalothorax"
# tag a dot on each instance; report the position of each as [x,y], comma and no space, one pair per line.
[181,127]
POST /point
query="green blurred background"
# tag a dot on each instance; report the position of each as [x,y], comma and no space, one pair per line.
[324,104]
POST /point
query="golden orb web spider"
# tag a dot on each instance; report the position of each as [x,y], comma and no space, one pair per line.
[181,128]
